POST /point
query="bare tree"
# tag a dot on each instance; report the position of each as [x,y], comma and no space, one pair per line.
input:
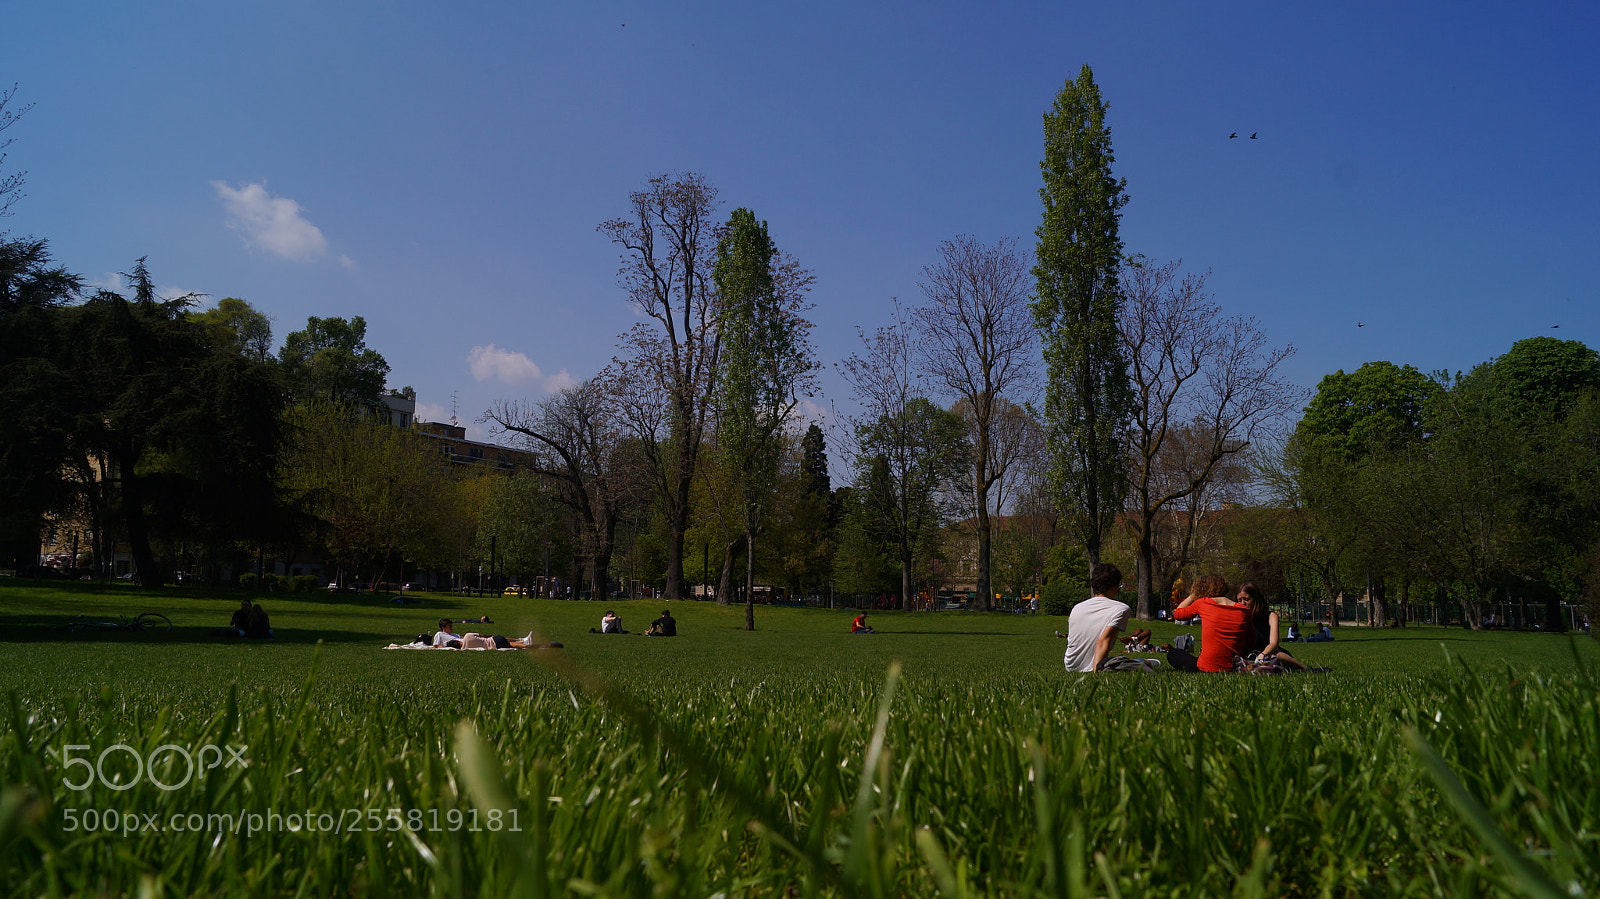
[908,450]
[669,243]
[1196,374]
[977,340]
[10,185]
[1190,529]
[576,431]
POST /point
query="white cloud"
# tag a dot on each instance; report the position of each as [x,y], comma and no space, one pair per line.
[432,412]
[493,363]
[807,412]
[273,224]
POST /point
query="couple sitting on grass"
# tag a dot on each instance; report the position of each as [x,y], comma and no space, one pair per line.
[1238,634]
[1235,634]
[665,626]
[249,621]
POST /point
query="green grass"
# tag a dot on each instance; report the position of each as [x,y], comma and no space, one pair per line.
[791,760]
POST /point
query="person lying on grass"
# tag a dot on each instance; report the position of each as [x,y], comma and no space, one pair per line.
[1138,641]
[1225,629]
[446,637]
[1264,629]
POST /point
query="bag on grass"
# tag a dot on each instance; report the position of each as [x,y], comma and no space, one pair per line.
[1123,663]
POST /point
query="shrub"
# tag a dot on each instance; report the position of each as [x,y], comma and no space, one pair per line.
[302,583]
[249,579]
[271,583]
[1059,596]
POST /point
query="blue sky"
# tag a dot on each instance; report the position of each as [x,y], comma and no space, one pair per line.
[1427,169]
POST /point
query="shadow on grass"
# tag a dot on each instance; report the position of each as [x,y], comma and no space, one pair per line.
[16,629]
[896,631]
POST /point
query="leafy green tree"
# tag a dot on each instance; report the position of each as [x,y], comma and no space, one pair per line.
[520,515]
[36,443]
[1542,395]
[1377,408]
[766,362]
[815,516]
[381,493]
[185,435]
[862,565]
[1078,299]
[1344,459]
[237,326]
[914,458]
[330,361]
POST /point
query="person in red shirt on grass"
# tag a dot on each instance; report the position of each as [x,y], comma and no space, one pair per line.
[1226,629]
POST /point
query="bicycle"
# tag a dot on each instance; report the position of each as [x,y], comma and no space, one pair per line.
[152,622]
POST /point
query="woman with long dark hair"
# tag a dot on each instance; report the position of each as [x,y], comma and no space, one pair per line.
[1264,628]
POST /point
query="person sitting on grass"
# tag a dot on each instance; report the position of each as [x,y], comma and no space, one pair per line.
[1323,635]
[1264,629]
[860,625]
[1093,625]
[665,626]
[1225,630]
[256,623]
[238,624]
[610,623]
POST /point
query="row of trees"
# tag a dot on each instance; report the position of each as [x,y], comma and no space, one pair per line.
[141,420]
[1477,487]
[1050,411]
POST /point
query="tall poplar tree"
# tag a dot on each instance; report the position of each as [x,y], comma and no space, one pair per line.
[1076,304]
[765,359]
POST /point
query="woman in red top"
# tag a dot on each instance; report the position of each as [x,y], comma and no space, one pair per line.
[1225,625]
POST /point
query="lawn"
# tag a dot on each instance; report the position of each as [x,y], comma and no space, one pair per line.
[949,754]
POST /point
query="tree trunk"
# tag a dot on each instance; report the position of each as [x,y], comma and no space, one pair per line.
[144,558]
[1147,566]
[725,583]
[905,575]
[985,545]
[1380,602]
[750,582]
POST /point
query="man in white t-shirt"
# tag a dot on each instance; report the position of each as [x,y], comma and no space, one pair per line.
[447,634]
[1093,626]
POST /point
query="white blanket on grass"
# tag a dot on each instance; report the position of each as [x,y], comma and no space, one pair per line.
[447,648]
